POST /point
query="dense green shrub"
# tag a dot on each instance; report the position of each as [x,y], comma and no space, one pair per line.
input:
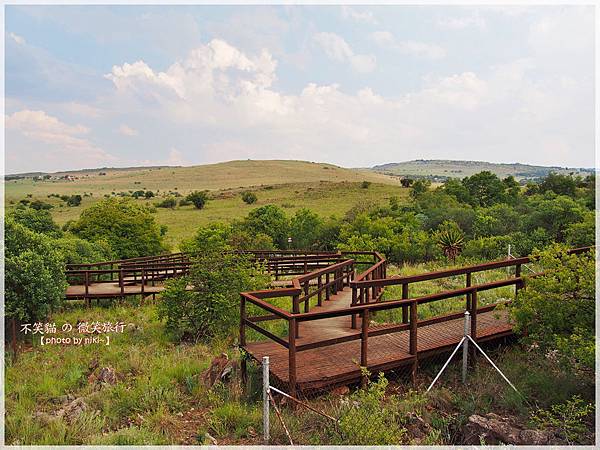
[130,229]
[39,221]
[269,220]
[74,200]
[367,418]
[305,228]
[556,311]
[168,202]
[40,205]
[198,198]
[569,418]
[34,273]
[211,307]
[79,251]
[249,197]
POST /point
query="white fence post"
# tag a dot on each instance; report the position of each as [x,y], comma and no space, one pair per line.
[265,367]
[466,347]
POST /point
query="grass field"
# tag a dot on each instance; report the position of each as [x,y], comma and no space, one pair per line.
[291,185]
[159,396]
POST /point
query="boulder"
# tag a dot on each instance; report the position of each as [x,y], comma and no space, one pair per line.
[493,429]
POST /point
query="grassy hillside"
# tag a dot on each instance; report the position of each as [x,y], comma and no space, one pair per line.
[324,188]
[460,169]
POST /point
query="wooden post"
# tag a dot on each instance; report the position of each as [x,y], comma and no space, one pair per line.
[517,275]
[354,289]
[319,287]
[404,308]
[468,284]
[244,367]
[413,340]
[306,298]
[364,340]
[296,310]
[121,281]
[265,370]
[292,356]
[143,279]
[328,287]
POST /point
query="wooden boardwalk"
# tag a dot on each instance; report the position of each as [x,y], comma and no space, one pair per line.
[340,363]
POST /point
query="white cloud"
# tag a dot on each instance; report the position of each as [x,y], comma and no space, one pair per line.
[18,39]
[174,158]
[461,23]
[338,49]
[127,131]
[502,112]
[413,48]
[51,142]
[358,16]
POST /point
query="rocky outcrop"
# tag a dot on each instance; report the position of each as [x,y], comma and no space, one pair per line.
[493,429]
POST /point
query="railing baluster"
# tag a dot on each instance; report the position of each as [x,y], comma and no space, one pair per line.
[364,344]
[292,328]
[413,350]
[405,308]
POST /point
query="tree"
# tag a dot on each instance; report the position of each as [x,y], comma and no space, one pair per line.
[484,188]
[557,309]
[419,187]
[74,200]
[553,213]
[211,308]
[249,197]
[149,194]
[198,198]
[406,182]
[457,189]
[39,221]
[130,228]
[34,273]
[269,220]
[559,184]
[305,228]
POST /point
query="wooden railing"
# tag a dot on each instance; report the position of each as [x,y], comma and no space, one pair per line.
[366,308]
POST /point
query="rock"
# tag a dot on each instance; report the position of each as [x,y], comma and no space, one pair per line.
[221,368]
[493,429]
[211,439]
[341,390]
[72,411]
[44,417]
[107,375]
[61,399]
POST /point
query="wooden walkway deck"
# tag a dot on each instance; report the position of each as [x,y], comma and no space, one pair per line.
[340,363]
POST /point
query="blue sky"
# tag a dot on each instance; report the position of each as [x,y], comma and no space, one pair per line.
[91,86]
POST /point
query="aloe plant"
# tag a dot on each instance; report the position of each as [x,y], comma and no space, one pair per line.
[450,239]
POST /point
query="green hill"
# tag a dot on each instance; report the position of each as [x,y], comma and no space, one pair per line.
[460,169]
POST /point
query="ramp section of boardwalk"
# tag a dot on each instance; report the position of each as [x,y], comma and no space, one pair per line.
[332,338]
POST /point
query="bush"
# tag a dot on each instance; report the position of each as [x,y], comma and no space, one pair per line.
[367,419]
[40,205]
[569,418]
[211,308]
[129,228]
[184,202]
[39,221]
[269,220]
[365,184]
[556,310]
[169,202]
[34,274]
[74,200]
[198,198]
[249,197]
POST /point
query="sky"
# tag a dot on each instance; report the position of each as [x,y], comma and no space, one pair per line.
[118,86]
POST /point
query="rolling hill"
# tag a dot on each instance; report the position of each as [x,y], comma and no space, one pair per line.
[461,169]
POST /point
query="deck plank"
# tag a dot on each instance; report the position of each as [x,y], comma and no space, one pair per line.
[321,367]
